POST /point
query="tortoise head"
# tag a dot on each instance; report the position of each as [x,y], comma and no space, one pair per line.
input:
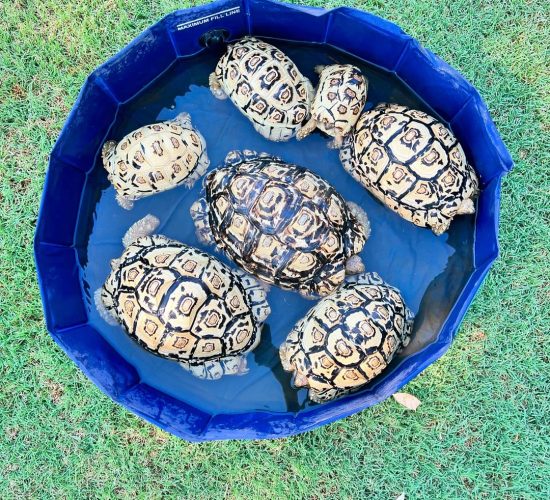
[107,155]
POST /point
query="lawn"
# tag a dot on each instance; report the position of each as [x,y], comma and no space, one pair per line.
[482,429]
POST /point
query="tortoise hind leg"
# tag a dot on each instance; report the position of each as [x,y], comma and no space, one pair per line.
[354,265]
[199,214]
[466,207]
[357,233]
[361,217]
[202,164]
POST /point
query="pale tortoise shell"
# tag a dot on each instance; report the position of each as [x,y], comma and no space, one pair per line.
[184,304]
[265,85]
[413,163]
[339,99]
[155,158]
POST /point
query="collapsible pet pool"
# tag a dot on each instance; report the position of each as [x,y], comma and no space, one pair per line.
[164,71]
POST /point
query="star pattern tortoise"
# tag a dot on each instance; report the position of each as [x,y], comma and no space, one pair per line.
[155,158]
[281,223]
[348,338]
[339,99]
[413,163]
[265,85]
[184,304]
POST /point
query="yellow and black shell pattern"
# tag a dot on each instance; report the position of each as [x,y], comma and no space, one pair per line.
[348,338]
[413,163]
[184,304]
[265,85]
[340,97]
[279,221]
[155,158]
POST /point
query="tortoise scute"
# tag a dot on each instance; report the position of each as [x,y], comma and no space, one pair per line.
[183,304]
[413,164]
[348,338]
[280,222]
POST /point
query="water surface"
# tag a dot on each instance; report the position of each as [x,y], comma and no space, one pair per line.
[430,271]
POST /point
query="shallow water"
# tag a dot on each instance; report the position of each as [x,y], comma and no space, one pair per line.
[430,271]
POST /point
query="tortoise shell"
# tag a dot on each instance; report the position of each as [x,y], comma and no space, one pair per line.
[339,99]
[412,163]
[155,158]
[280,222]
[348,338]
[184,304]
[265,85]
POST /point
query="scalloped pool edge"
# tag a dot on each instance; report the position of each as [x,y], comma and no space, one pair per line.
[382,43]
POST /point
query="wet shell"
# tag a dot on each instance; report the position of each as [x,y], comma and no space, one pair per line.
[184,304]
[265,85]
[280,222]
[412,163]
[155,158]
[339,100]
[348,338]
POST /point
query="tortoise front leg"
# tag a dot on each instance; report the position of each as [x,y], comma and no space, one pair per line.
[309,127]
[125,203]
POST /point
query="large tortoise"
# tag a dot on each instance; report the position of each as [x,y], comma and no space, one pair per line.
[340,97]
[348,338]
[413,163]
[281,223]
[183,304]
[155,158]
[265,85]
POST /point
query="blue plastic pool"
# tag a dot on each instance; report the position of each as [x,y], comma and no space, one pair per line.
[165,71]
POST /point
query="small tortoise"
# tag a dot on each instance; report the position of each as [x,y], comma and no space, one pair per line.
[265,85]
[155,158]
[413,163]
[184,304]
[339,99]
[281,223]
[348,338]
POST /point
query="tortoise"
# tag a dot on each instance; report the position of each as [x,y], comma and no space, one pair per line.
[413,163]
[348,338]
[155,158]
[281,222]
[265,85]
[339,99]
[181,303]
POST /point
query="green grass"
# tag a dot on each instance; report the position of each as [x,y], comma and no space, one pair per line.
[482,430]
